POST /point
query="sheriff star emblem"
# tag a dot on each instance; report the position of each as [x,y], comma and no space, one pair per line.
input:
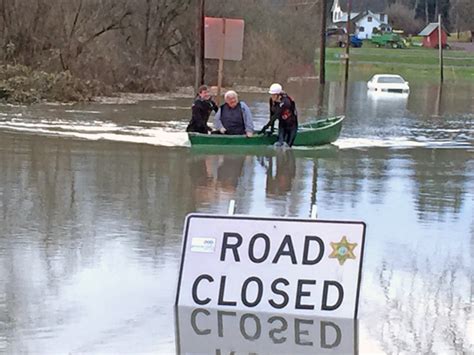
[342,250]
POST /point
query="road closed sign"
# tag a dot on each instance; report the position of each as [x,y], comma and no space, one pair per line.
[279,265]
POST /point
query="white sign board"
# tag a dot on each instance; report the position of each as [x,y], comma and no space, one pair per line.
[223,37]
[211,331]
[277,265]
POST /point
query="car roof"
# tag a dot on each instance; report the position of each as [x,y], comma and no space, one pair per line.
[387,75]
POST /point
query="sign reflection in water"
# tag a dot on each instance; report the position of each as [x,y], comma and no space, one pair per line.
[210,331]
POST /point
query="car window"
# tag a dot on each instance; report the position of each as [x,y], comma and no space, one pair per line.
[390,80]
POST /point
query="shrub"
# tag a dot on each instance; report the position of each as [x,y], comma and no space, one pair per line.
[21,84]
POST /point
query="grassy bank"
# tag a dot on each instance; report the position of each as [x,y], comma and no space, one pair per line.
[412,64]
[21,84]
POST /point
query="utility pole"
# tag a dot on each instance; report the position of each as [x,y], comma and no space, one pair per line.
[440,45]
[348,30]
[348,40]
[322,45]
[199,45]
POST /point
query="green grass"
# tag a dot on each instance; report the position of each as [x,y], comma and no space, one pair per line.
[411,63]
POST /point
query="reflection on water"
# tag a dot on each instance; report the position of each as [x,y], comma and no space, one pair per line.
[280,172]
[91,228]
[208,331]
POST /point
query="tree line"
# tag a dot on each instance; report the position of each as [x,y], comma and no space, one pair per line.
[148,45]
[413,15]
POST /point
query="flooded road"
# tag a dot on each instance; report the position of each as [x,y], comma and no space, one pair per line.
[93,199]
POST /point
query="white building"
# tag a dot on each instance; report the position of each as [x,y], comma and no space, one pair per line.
[366,20]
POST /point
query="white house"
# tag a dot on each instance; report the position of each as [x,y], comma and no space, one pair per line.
[365,20]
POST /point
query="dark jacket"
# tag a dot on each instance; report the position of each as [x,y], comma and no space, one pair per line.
[283,111]
[201,110]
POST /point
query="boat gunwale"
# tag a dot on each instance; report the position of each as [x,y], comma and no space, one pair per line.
[337,120]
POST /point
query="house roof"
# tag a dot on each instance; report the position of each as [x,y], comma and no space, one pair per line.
[357,17]
[430,28]
[376,7]
[362,15]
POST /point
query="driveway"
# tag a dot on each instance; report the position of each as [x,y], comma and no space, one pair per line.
[467,46]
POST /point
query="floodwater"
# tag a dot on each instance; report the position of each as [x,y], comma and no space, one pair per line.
[93,199]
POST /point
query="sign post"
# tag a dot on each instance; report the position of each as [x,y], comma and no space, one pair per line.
[221,62]
[223,40]
[291,266]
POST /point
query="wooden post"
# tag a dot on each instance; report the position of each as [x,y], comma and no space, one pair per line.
[439,100]
[199,45]
[348,44]
[320,100]
[221,64]
[345,90]
[203,14]
[314,191]
[322,45]
[440,45]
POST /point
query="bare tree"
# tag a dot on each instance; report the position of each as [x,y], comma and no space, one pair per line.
[402,17]
[461,13]
[84,21]
[23,27]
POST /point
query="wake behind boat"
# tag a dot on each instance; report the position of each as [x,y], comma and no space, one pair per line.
[313,133]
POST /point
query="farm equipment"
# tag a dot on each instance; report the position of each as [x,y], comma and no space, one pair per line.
[388,40]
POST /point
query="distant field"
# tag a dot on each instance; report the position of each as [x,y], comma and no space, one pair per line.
[411,63]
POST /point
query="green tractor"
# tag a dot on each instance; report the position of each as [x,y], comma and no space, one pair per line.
[388,40]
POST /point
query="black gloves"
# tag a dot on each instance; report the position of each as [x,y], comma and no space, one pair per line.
[264,131]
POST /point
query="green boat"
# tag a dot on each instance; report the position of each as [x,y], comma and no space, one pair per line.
[312,133]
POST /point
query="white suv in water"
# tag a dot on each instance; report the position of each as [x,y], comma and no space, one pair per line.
[388,83]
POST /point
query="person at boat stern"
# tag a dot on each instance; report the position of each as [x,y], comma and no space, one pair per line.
[201,110]
[283,109]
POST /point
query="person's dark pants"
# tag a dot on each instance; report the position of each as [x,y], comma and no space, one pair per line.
[287,135]
[196,129]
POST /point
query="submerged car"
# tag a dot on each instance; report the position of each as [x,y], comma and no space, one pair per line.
[388,83]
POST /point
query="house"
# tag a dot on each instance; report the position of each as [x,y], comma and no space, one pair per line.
[431,36]
[366,20]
